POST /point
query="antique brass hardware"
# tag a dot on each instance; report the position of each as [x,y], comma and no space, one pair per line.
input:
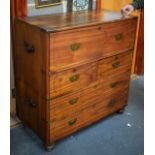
[73,101]
[116,64]
[112,102]
[74,78]
[72,122]
[28,48]
[118,37]
[75,46]
[113,85]
[99,28]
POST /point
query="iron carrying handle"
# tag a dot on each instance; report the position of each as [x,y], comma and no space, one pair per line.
[30,102]
[28,48]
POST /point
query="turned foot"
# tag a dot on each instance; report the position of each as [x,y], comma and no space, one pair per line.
[24,126]
[121,111]
[49,147]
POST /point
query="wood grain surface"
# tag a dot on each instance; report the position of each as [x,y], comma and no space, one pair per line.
[71,76]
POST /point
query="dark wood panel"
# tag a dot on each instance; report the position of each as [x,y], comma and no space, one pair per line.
[30,60]
[139,63]
[15,12]
[98,5]
[21,8]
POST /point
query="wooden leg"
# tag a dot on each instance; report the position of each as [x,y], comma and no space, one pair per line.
[49,147]
[121,111]
[24,126]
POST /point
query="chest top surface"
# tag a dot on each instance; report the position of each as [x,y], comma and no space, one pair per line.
[64,21]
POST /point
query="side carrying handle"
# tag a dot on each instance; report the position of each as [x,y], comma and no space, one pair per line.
[28,48]
[30,102]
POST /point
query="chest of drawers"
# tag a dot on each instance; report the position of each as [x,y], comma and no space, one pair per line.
[71,70]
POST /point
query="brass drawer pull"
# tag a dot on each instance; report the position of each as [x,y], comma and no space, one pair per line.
[118,37]
[112,103]
[73,101]
[113,85]
[72,122]
[75,46]
[74,78]
[28,48]
[116,64]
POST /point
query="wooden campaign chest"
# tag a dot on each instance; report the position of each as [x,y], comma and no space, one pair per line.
[71,70]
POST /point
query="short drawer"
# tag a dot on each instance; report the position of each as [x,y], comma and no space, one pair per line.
[115,65]
[98,109]
[73,79]
[76,46]
[119,36]
[86,44]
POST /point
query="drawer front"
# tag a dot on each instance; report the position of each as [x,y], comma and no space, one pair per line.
[63,106]
[71,80]
[119,36]
[115,65]
[83,45]
[78,78]
[98,109]
[76,46]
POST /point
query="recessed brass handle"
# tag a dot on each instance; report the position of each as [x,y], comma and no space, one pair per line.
[112,103]
[118,37]
[72,122]
[75,46]
[113,85]
[73,101]
[116,64]
[74,78]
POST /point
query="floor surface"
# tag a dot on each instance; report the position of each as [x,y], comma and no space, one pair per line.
[118,134]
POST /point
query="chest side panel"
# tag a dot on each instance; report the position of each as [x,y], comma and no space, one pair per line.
[30,63]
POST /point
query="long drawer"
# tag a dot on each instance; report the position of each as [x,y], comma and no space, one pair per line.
[85,44]
[94,111]
[63,83]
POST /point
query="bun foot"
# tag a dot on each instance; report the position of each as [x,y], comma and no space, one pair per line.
[49,147]
[121,111]
[24,126]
